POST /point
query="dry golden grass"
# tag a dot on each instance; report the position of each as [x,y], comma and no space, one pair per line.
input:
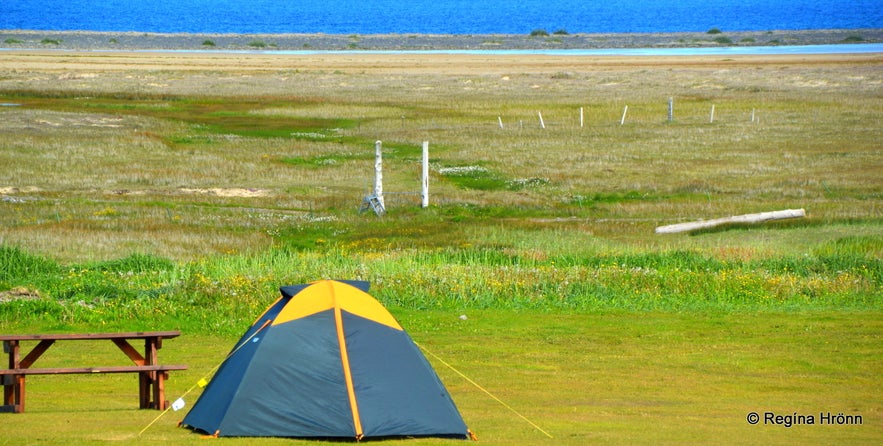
[114,149]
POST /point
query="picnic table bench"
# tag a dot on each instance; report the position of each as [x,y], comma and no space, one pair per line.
[151,374]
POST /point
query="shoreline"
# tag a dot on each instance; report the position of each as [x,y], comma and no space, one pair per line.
[138,41]
[88,53]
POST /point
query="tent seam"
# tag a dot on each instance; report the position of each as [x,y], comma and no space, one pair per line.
[344,359]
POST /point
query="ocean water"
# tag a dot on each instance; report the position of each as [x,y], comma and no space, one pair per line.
[437,16]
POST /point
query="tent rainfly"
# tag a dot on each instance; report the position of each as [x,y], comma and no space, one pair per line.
[326,360]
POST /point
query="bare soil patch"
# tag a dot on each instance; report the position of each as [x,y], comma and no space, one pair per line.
[228,192]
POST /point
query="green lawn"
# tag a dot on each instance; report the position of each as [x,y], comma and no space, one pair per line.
[608,378]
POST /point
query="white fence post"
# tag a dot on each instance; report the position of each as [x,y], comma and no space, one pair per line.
[425,177]
[378,172]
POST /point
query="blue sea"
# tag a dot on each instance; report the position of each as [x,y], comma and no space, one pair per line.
[437,16]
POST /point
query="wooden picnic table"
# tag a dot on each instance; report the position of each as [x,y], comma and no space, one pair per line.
[152,374]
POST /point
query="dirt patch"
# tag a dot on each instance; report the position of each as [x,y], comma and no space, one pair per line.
[12,190]
[229,192]
[18,293]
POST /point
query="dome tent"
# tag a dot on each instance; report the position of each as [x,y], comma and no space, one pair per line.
[326,360]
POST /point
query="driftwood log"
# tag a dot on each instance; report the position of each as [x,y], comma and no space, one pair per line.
[747,218]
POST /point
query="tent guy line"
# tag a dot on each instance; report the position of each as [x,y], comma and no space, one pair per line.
[204,380]
[479,387]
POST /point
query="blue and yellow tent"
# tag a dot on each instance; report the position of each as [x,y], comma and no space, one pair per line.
[326,360]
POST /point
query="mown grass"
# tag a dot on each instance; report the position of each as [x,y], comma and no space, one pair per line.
[613,378]
[144,200]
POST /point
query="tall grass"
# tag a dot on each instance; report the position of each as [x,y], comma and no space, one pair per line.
[18,264]
[225,293]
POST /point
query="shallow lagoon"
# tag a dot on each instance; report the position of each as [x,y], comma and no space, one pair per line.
[862,48]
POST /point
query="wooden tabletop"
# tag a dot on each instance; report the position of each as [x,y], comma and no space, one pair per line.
[86,336]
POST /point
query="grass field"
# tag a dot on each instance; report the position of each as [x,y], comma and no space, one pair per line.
[611,378]
[175,191]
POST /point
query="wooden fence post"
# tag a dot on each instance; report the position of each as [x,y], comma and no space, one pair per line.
[378,172]
[425,176]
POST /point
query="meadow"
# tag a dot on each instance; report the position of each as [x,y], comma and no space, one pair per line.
[175,191]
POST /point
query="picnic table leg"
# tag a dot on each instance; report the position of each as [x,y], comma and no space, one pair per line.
[144,390]
[13,394]
[152,383]
[153,390]
[11,349]
[151,345]
[159,391]
[8,395]
[13,385]
[19,393]
[8,380]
